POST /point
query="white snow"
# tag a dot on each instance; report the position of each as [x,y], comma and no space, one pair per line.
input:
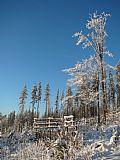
[89,143]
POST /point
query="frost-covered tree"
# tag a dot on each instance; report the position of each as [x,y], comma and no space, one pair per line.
[82,80]
[96,39]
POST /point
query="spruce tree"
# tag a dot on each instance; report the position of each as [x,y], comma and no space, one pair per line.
[47,100]
[34,100]
[22,98]
[118,84]
[62,103]
[57,104]
[11,119]
[112,91]
[39,97]
[77,104]
[69,101]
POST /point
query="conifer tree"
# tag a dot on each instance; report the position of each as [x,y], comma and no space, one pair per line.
[95,91]
[118,84]
[23,97]
[108,98]
[30,117]
[78,110]
[11,118]
[98,98]
[34,100]
[107,90]
[47,100]
[69,101]
[112,91]
[39,97]
[57,104]
[3,123]
[62,103]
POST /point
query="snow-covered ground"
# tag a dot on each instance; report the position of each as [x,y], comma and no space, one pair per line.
[96,144]
[104,144]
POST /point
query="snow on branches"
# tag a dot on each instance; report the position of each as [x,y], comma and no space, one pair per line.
[82,75]
[97,21]
[82,70]
[89,75]
[97,34]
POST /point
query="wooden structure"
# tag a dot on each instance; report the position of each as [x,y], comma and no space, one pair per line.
[53,123]
[68,121]
[50,127]
[47,123]
[47,127]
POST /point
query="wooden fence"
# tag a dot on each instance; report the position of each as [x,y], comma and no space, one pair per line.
[51,123]
[47,123]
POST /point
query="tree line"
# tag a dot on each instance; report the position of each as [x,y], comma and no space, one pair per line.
[26,114]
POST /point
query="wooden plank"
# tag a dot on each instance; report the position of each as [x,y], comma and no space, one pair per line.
[38,127]
[47,123]
[48,118]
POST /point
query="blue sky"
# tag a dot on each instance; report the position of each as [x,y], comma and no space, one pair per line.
[36,43]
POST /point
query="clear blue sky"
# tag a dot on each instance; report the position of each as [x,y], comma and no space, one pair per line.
[36,42]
